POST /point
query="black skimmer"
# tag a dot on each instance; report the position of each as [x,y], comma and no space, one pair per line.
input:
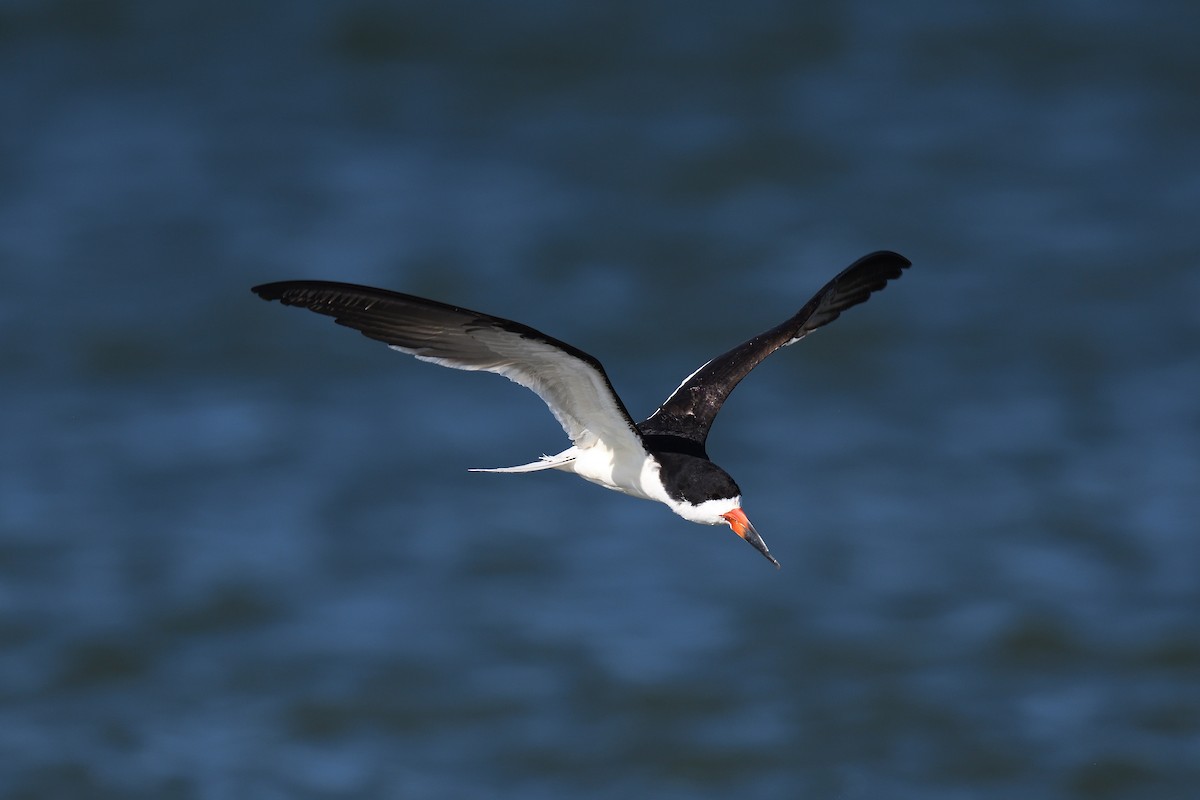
[661,458]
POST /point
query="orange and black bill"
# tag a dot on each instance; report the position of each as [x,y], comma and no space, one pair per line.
[742,527]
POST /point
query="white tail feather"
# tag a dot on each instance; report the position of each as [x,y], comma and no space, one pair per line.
[544,462]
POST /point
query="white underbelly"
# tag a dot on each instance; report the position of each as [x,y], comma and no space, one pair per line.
[631,474]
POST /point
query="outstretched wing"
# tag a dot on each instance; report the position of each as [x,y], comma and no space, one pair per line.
[690,410]
[571,382]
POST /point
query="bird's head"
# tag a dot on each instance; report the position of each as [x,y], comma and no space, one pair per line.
[700,491]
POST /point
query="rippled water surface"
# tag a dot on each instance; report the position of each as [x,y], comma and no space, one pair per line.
[241,555]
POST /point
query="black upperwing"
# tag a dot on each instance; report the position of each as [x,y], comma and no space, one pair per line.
[689,412]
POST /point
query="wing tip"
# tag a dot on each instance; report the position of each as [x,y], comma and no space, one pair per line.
[267,291]
[288,291]
[871,274]
[884,259]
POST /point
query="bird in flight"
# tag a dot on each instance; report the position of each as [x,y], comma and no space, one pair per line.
[661,458]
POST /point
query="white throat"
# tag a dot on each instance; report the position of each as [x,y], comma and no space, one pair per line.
[710,512]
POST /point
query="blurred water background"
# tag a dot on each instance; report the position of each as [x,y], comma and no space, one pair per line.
[241,556]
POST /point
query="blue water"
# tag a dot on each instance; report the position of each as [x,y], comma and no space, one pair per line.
[241,555]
